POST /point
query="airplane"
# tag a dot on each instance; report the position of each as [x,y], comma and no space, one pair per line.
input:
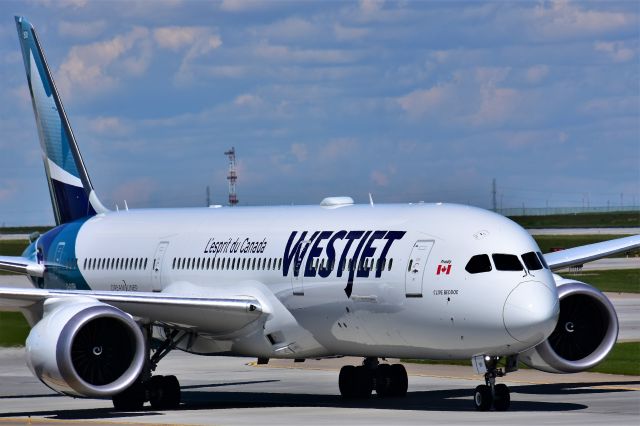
[115,291]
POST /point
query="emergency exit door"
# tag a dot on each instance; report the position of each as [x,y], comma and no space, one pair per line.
[416,267]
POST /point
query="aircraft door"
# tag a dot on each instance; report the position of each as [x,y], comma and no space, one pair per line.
[416,267]
[298,265]
[156,267]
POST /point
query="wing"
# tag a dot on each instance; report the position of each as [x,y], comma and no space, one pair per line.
[212,315]
[583,254]
[21,265]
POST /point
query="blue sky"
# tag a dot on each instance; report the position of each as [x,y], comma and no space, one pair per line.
[407,100]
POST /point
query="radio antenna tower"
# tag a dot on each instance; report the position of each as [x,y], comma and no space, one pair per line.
[232,176]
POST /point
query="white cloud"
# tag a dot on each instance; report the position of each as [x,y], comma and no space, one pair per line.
[108,125]
[371,8]
[196,41]
[560,19]
[423,102]
[248,100]
[63,4]
[97,67]
[616,50]
[242,5]
[476,98]
[77,29]
[175,38]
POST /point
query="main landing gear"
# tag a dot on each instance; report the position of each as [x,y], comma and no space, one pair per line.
[491,394]
[360,381]
[163,392]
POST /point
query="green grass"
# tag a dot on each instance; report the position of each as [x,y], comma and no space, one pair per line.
[624,358]
[580,220]
[24,229]
[615,280]
[12,247]
[13,329]
[548,242]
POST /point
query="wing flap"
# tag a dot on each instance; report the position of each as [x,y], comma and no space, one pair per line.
[583,254]
[215,316]
[21,265]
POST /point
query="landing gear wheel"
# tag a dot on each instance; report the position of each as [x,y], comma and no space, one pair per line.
[347,381]
[482,398]
[502,399]
[172,392]
[383,380]
[131,399]
[364,382]
[164,392]
[399,380]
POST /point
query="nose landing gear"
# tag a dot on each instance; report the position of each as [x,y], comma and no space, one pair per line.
[492,394]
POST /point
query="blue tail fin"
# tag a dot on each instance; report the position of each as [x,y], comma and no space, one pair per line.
[72,194]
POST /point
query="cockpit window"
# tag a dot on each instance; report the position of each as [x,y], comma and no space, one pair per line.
[542,260]
[507,262]
[531,261]
[478,263]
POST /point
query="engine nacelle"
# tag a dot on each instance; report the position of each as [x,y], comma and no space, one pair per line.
[82,347]
[586,331]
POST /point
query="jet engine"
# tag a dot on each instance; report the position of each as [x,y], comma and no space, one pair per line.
[82,347]
[586,331]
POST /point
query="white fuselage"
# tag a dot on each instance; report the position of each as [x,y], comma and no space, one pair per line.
[423,304]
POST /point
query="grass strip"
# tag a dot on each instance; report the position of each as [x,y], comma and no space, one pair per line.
[614,281]
[624,359]
[580,220]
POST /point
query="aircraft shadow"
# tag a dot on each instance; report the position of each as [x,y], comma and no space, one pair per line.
[438,400]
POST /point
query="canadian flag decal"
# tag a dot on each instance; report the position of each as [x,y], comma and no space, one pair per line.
[443,269]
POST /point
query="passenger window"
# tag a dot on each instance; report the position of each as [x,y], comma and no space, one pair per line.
[542,260]
[531,261]
[390,263]
[280,263]
[507,262]
[478,264]
[410,265]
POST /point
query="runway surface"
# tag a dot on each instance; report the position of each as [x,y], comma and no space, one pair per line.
[230,391]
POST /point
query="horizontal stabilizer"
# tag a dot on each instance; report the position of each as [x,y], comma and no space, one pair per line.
[21,265]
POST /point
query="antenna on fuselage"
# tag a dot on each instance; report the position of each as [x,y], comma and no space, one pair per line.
[126,207]
[370,200]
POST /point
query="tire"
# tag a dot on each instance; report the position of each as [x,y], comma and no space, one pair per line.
[482,398]
[364,380]
[502,398]
[383,380]
[399,380]
[164,392]
[347,381]
[132,399]
[172,393]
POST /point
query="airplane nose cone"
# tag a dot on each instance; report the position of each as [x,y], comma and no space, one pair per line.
[531,312]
